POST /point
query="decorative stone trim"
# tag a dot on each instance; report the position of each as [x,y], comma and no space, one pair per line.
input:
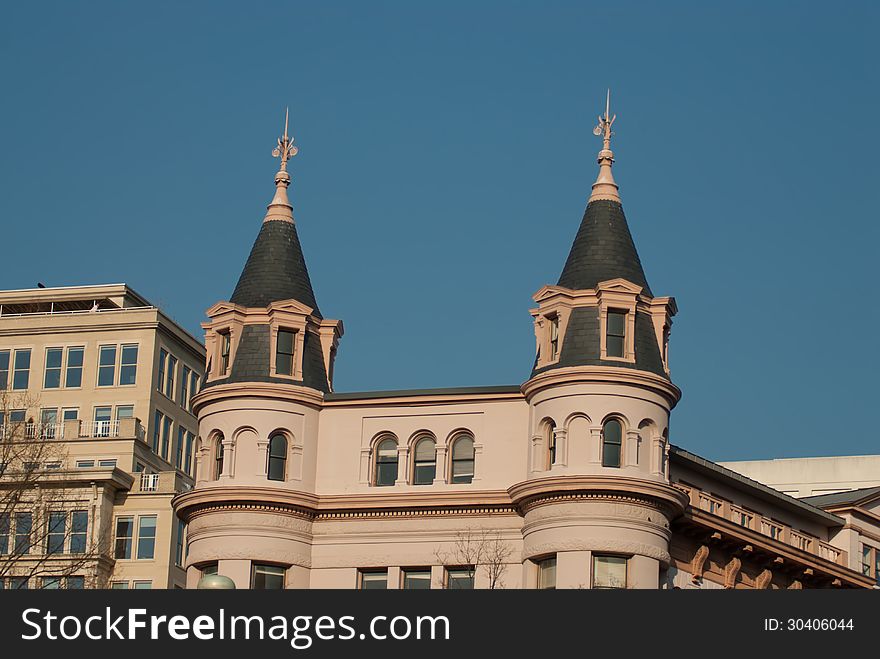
[604,374]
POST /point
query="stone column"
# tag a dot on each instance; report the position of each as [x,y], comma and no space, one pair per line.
[643,573]
[594,450]
[402,464]
[631,450]
[393,578]
[573,569]
[440,473]
[239,570]
[537,455]
[478,462]
[561,438]
[262,456]
[365,466]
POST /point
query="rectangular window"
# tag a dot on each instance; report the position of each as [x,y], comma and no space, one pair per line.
[284,352]
[157,430]
[170,375]
[48,423]
[21,371]
[119,585]
[111,463]
[224,352]
[609,571]
[51,583]
[102,421]
[181,440]
[52,373]
[23,527]
[615,335]
[166,436]
[4,369]
[180,544]
[187,457]
[373,579]
[194,382]
[184,387]
[128,365]
[76,583]
[56,532]
[79,527]
[106,366]
[69,414]
[4,534]
[85,464]
[124,412]
[267,577]
[124,537]
[547,574]
[866,560]
[146,547]
[460,578]
[417,578]
[163,358]
[74,373]
[554,337]
[142,585]
[18,583]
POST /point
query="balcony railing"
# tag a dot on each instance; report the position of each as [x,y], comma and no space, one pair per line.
[99,429]
[764,525]
[74,429]
[149,482]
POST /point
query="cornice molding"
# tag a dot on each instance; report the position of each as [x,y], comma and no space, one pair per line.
[603,374]
[271,390]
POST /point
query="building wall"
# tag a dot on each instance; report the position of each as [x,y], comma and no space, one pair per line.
[804,477]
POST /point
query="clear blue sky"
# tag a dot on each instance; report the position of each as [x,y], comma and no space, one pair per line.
[446,154]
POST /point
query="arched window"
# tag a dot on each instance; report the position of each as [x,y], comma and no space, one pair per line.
[462,459]
[425,461]
[612,442]
[386,462]
[277,465]
[550,442]
[218,457]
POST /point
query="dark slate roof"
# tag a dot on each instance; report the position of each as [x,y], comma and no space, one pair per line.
[850,497]
[275,270]
[756,489]
[251,363]
[603,249]
[580,345]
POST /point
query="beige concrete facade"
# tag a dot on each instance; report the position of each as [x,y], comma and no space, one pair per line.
[118,440]
[806,477]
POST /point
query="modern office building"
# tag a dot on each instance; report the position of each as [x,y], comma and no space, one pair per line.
[567,480]
[807,477]
[97,437]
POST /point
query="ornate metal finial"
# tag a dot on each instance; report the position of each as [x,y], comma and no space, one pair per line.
[285,149]
[605,187]
[603,128]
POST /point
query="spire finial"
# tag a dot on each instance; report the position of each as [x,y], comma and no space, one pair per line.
[605,187]
[279,208]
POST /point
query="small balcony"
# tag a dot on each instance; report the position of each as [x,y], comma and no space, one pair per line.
[164,482]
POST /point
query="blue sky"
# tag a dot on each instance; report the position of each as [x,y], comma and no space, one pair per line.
[446,154]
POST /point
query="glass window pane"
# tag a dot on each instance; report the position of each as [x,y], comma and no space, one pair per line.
[374,580]
[425,449]
[547,573]
[106,366]
[73,376]
[21,372]
[285,341]
[23,527]
[616,323]
[614,346]
[128,365]
[267,577]
[52,376]
[56,532]
[143,585]
[4,369]
[124,412]
[79,526]
[76,583]
[124,535]
[51,583]
[609,571]
[417,579]
[146,545]
[460,578]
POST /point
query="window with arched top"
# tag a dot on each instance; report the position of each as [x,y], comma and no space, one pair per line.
[218,457]
[276,468]
[550,442]
[612,443]
[424,461]
[462,459]
[386,462]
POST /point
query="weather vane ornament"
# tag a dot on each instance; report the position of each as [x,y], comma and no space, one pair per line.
[285,149]
[605,188]
[603,128]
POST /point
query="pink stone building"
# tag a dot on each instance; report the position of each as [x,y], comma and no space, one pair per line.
[567,480]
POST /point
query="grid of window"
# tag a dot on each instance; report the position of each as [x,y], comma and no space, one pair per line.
[56,532]
[417,578]
[124,537]
[23,528]
[73,374]
[79,527]
[21,369]
[547,573]
[128,365]
[157,431]
[52,374]
[163,359]
[386,462]
[615,334]
[460,578]
[4,533]
[609,571]
[166,436]
[187,456]
[184,387]
[106,366]
[4,369]
[103,421]
[170,375]
[373,579]
[612,443]
[284,352]
[277,459]
[146,545]
[425,461]
[267,577]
